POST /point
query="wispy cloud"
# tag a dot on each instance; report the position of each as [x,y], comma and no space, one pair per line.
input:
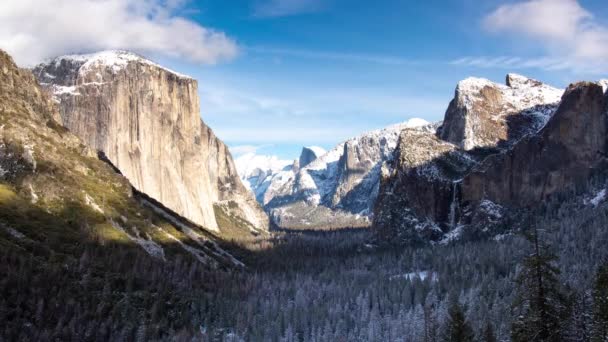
[571,36]
[239,150]
[506,62]
[337,56]
[32,30]
[305,116]
[282,8]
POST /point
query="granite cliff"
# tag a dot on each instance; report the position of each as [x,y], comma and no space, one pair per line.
[145,119]
[501,150]
[57,198]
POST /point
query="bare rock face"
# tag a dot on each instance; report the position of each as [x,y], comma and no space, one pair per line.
[440,191]
[487,114]
[563,156]
[417,194]
[146,120]
[56,195]
[309,154]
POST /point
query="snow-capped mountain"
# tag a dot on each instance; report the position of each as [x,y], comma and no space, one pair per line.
[146,120]
[256,170]
[502,153]
[488,114]
[337,189]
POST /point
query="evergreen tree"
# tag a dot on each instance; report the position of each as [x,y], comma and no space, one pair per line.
[457,328]
[539,305]
[488,333]
[580,322]
[600,305]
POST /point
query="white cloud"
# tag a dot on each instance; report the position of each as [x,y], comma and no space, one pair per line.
[32,30]
[571,35]
[281,8]
[506,62]
[240,150]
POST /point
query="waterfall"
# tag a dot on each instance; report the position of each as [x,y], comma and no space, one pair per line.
[453,205]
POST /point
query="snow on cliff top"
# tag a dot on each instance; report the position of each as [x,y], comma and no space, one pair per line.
[604,84]
[391,133]
[522,92]
[116,59]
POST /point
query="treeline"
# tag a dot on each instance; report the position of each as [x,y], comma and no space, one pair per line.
[330,286]
[543,310]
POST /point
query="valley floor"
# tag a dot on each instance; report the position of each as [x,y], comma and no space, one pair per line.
[303,286]
[335,286]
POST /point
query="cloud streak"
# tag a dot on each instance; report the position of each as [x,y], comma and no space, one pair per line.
[508,62]
[282,8]
[337,56]
[32,30]
[570,34]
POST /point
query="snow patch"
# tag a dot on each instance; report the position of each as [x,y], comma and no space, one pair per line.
[604,84]
[91,203]
[216,250]
[33,194]
[28,155]
[599,197]
[115,59]
[452,235]
[197,253]
[60,90]
[14,233]
[151,247]
[416,122]
[422,275]
[492,210]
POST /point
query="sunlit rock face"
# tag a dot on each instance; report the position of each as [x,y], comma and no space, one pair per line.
[146,120]
[563,155]
[500,150]
[488,114]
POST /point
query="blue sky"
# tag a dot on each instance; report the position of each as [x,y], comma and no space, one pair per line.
[275,75]
[322,71]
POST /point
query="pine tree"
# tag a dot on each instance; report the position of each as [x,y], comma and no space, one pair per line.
[539,305]
[488,333]
[580,323]
[600,305]
[457,328]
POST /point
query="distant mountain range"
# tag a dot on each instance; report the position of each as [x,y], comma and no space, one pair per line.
[501,149]
[325,189]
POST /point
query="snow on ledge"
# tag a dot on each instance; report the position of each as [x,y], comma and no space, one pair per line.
[116,59]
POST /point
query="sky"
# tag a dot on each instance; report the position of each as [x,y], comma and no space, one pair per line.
[276,75]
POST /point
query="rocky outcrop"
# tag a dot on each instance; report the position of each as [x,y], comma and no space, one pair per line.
[146,120]
[563,156]
[476,191]
[309,154]
[487,114]
[421,198]
[417,197]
